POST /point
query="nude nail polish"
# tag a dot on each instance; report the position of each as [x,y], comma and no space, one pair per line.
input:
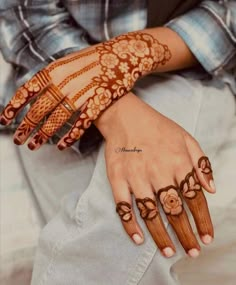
[193,252]
[137,239]
[168,252]
[207,239]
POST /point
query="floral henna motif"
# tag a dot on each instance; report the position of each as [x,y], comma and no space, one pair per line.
[124,211]
[148,208]
[24,94]
[170,201]
[122,60]
[190,185]
[205,165]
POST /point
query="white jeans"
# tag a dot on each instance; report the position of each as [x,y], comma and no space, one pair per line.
[83,241]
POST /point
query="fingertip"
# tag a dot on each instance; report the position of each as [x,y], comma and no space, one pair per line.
[194,252]
[168,252]
[207,239]
[137,238]
[3,121]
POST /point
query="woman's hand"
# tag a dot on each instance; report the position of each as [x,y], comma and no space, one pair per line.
[157,161]
[88,81]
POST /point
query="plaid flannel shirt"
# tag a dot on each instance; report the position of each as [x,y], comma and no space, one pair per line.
[34,33]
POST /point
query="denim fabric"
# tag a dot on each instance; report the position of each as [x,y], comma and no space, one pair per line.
[84,243]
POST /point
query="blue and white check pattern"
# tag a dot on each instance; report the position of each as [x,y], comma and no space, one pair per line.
[36,32]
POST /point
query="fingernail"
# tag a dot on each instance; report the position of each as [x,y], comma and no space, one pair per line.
[3,121]
[207,239]
[212,185]
[168,252]
[61,146]
[17,141]
[31,146]
[193,252]
[137,238]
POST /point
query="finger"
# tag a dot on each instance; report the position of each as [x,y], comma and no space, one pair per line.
[43,106]
[172,205]
[150,213]
[202,165]
[147,205]
[194,197]
[55,121]
[124,209]
[90,111]
[24,95]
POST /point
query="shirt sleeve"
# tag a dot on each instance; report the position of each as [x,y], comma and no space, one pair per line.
[35,32]
[209,30]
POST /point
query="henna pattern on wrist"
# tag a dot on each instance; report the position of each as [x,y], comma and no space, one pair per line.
[170,200]
[148,208]
[124,211]
[190,185]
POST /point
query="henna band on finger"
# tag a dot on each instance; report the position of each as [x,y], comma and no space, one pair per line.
[124,211]
[24,94]
[55,121]
[190,185]
[206,171]
[148,208]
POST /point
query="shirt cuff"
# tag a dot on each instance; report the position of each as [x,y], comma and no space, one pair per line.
[207,37]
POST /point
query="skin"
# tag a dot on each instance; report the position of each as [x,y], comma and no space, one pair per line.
[95,81]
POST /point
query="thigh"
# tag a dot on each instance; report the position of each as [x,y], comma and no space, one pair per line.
[52,174]
[89,246]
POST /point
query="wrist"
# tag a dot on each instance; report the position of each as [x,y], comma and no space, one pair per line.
[110,117]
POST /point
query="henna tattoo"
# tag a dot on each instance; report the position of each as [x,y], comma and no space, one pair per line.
[124,211]
[83,91]
[205,165]
[148,208]
[61,114]
[24,94]
[119,63]
[190,185]
[44,105]
[123,60]
[170,200]
[77,74]
[56,64]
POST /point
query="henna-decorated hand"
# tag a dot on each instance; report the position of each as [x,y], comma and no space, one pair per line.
[169,171]
[89,81]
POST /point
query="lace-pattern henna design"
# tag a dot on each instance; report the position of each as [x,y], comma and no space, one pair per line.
[61,114]
[190,185]
[27,92]
[147,207]
[48,101]
[117,64]
[123,60]
[170,200]
[124,211]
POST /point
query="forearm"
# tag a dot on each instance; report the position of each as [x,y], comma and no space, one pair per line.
[181,55]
